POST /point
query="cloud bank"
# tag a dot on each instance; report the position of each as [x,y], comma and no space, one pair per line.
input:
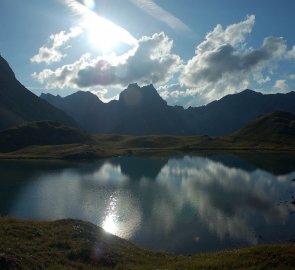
[150,62]
[223,63]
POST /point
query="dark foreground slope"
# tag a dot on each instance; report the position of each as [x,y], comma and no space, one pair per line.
[276,128]
[18,105]
[73,244]
[40,133]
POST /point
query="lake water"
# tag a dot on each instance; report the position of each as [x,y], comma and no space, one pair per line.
[183,204]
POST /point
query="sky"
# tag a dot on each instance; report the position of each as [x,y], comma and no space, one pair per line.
[192,51]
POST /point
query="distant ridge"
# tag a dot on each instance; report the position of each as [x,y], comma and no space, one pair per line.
[141,111]
[18,105]
[232,112]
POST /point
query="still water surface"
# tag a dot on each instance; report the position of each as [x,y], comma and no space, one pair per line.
[182,204]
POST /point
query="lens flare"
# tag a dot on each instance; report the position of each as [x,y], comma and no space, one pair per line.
[102,33]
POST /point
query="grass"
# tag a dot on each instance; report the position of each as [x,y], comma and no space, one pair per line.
[74,244]
[105,146]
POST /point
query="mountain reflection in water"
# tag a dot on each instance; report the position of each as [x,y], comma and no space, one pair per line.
[179,204]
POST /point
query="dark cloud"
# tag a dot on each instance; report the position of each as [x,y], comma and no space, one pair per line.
[211,66]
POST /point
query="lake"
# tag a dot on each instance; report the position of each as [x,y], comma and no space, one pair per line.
[180,204]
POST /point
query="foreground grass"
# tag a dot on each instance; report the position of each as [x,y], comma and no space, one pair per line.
[73,244]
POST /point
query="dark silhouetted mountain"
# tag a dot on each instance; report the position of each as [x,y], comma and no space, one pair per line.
[41,133]
[141,111]
[84,107]
[232,112]
[18,105]
[273,128]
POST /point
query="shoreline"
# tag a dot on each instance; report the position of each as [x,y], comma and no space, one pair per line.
[71,153]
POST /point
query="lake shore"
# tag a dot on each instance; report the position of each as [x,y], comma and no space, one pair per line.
[107,146]
[72,244]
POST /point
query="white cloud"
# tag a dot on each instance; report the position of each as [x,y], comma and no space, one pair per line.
[292,76]
[224,64]
[281,85]
[233,35]
[53,54]
[154,10]
[150,62]
[179,94]
[291,53]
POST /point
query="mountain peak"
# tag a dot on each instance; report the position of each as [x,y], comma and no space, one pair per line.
[249,92]
[135,95]
[133,85]
[86,97]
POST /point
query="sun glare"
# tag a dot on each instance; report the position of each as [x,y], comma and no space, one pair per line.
[104,34]
[110,222]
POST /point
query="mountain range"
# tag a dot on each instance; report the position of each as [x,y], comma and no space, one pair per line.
[141,111]
[18,105]
[138,111]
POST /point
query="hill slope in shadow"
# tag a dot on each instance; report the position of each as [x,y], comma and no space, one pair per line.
[18,105]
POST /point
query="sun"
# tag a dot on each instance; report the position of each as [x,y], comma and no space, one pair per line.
[104,34]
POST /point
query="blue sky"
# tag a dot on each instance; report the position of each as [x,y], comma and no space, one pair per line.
[193,51]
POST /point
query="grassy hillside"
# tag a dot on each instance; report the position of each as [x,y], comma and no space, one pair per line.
[73,244]
[276,127]
[40,133]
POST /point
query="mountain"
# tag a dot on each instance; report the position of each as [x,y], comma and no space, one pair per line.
[139,111]
[18,105]
[274,128]
[40,133]
[232,112]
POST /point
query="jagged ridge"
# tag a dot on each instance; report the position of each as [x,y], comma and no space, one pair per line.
[141,111]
